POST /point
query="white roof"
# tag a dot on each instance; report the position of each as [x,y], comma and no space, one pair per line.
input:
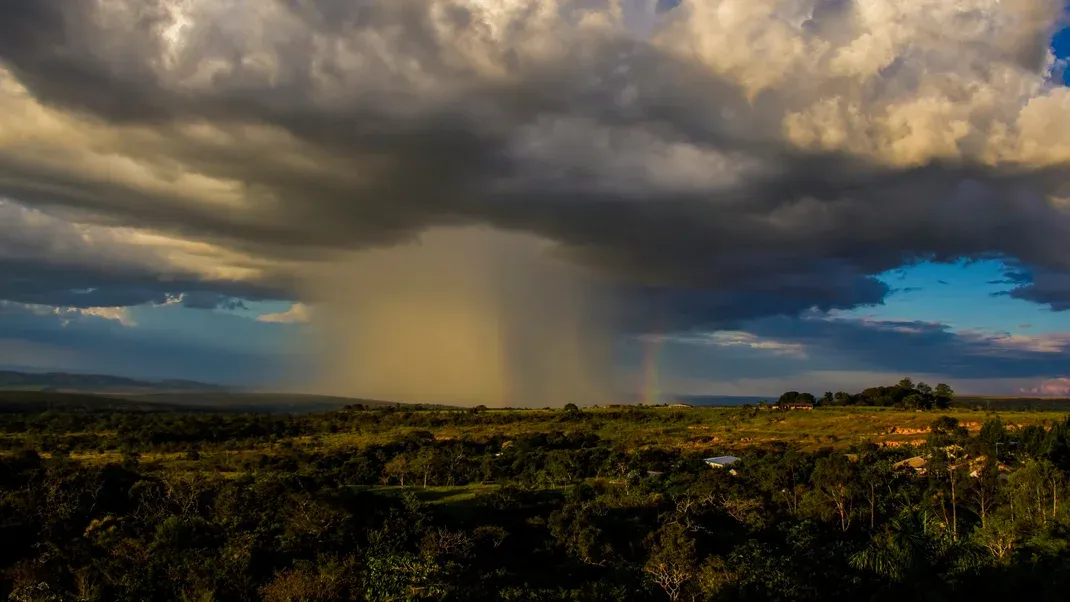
[721,460]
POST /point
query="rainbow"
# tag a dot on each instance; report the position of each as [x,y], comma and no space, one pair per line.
[652,346]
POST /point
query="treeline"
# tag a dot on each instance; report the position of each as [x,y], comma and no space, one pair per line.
[559,515]
[904,395]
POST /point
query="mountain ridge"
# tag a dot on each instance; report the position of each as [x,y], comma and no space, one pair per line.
[74,381]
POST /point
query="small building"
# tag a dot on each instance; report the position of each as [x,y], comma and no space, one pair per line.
[679,405]
[917,464]
[721,461]
[976,465]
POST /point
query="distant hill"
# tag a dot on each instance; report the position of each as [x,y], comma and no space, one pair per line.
[29,391]
[95,383]
[32,402]
[24,401]
[262,402]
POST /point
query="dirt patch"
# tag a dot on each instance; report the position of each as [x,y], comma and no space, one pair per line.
[914,442]
[894,430]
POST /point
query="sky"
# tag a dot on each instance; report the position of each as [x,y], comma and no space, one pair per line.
[737,197]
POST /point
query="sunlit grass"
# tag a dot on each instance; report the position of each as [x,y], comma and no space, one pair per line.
[695,429]
[439,494]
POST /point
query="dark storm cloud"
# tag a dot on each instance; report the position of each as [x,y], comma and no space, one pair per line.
[51,43]
[674,309]
[78,287]
[46,260]
[675,180]
[913,347]
[211,300]
[1036,285]
[1046,288]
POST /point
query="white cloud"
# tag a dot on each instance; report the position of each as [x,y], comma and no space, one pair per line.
[79,241]
[66,314]
[1056,342]
[299,313]
[744,339]
[118,314]
[1054,387]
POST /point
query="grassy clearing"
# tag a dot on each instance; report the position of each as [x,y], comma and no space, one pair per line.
[718,427]
[439,495]
[697,429]
[842,427]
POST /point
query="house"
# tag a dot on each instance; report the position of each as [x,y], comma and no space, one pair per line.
[787,405]
[976,465]
[724,462]
[917,464]
[721,461]
[679,405]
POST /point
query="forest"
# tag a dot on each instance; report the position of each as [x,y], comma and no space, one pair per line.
[904,395]
[103,502]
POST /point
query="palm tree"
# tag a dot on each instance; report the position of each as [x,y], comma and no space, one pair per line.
[916,542]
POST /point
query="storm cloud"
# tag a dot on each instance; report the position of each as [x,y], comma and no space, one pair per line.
[829,351]
[713,162]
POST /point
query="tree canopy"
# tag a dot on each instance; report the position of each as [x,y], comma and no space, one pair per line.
[112,505]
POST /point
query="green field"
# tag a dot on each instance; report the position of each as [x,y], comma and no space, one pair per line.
[698,430]
[439,494]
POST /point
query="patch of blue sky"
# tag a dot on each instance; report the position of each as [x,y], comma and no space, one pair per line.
[234,330]
[1060,45]
[964,295]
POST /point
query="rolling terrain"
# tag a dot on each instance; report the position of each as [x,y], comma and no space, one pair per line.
[99,391]
[95,383]
[238,401]
[129,487]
